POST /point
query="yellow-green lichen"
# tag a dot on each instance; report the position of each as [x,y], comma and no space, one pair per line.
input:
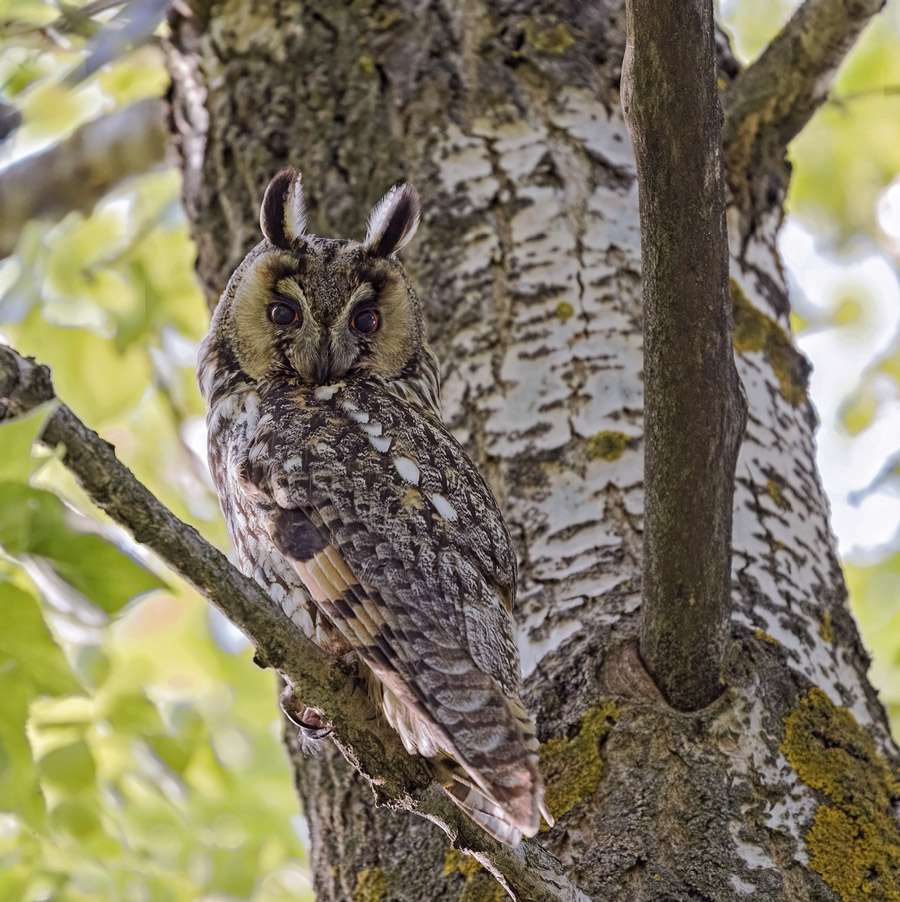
[383,19]
[547,38]
[367,65]
[571,765]
[608,444]
[371,886]
[480,885]
[826,627]
[455,860]
[854,841]
[765,637]
[775,493]
[564,310]
[754,331]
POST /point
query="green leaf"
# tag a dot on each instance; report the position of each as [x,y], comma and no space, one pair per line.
[69,768]
[26,644]
[98,570]
[32,522]
[132,713]
[858,411]
[26,516]
[19,790]
[90,375]
[17,438]
[79,817]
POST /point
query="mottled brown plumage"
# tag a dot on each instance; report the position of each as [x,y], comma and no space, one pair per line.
[351,503]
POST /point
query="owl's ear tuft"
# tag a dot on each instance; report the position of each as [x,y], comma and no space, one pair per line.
[393,221]
[282,216]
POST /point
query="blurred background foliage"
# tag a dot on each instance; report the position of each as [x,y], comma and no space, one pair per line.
[140,748]
[140,754]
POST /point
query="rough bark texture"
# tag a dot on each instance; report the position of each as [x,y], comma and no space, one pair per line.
[694,408]
[507,118]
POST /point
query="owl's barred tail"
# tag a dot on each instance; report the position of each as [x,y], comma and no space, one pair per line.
[510,805]
[494,778]
[490,816]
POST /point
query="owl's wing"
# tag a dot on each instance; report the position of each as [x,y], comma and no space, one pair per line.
[408,556]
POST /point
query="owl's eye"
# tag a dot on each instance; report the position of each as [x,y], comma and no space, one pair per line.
[282,314]
[366,321]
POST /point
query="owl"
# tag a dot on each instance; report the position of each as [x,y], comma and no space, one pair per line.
[350,502]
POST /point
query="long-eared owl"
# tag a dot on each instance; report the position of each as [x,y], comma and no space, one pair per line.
[348,500]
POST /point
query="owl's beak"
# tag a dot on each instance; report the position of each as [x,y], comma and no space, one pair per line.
[325,365]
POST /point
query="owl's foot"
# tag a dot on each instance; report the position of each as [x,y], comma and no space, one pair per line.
[309,720]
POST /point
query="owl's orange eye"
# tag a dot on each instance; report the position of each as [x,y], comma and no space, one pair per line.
[366,322]
[282,314]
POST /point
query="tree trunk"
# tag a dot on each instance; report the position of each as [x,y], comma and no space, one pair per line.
[507,119]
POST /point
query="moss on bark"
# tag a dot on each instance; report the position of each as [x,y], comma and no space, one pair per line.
[572,765]
[854,841]
[609,445]
[480,886]
[371,886]
[754,331]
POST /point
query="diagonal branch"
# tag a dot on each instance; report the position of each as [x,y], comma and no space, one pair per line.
[694,408]
[369,744]
[769,103]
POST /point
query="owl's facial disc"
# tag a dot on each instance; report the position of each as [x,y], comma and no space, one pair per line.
[332,311]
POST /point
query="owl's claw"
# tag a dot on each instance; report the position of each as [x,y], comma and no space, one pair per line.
[308,719]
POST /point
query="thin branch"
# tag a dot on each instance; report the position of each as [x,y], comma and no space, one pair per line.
[78,171]
[71,19]
[369,744]
[768,104]
[842,100]
[694,408]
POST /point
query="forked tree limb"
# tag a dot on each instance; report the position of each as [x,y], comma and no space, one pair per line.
[694,407]
[399,780]
[771,101]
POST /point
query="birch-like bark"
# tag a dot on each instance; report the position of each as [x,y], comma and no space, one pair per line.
[507,118]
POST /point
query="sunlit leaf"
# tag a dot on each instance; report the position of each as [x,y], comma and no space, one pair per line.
[120,743]
[32,522]
[90,375]
[831,145]
[858,411]
[137,76]
[26,644]
[69,768]
[847,311]
[50,109]
[98,570]
[17,438]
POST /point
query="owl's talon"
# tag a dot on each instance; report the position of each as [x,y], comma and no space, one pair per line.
[312,725]
[308,719]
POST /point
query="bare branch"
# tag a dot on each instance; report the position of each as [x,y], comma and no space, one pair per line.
[768,104]
[369,744]
[694,409]
[75,173]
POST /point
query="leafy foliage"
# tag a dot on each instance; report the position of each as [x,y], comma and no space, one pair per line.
[140,753]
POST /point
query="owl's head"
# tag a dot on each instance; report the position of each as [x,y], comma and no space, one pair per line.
[320,310]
